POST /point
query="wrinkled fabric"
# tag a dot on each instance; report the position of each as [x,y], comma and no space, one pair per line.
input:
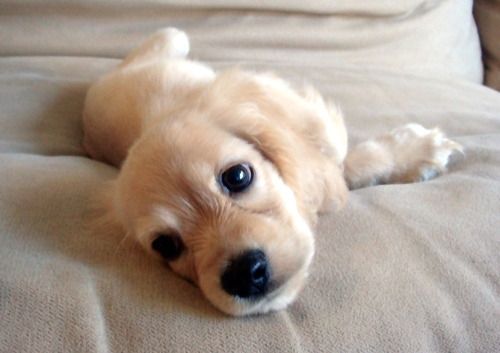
[402,268]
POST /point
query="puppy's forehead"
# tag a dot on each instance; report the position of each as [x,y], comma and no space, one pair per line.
[196,147]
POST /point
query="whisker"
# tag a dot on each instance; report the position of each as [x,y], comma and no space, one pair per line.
[120,243]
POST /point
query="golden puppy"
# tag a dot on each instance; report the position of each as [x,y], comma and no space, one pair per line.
[223,174]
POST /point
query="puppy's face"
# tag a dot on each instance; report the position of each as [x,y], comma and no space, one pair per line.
[227,194]
[209,204]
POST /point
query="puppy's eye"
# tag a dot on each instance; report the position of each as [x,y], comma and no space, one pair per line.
[169,246]
[237,178]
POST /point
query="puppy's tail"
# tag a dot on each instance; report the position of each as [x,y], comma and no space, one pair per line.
[170,43]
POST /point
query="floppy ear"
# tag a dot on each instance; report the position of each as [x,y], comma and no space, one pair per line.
[282,126]
[275,143]
[316,179]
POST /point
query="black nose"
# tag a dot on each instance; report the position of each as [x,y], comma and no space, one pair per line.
[247,275]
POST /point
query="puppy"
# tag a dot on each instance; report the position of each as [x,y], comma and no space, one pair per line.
[222,175]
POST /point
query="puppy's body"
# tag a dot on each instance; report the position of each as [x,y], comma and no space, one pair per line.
[176,128]
[154,83]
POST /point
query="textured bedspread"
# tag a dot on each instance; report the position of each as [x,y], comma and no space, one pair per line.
[402,268]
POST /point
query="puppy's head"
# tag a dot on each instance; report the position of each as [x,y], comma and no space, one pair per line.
[227,197]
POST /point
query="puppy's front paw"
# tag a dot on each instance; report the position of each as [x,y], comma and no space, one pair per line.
[421,154]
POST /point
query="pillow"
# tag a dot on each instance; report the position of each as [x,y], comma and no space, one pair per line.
[487,13]
[436,39]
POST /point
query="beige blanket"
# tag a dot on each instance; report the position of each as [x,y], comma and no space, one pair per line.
[403,268]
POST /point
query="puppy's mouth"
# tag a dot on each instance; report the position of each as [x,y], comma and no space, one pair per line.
[280,293]
[252,285]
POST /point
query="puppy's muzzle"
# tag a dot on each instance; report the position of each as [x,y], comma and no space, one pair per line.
[247,276]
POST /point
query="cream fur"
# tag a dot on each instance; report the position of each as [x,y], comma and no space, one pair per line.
[172,125]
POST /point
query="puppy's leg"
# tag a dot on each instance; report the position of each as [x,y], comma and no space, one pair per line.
[407,154]
[170,43]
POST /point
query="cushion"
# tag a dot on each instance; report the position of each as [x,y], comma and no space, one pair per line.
[433,39]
